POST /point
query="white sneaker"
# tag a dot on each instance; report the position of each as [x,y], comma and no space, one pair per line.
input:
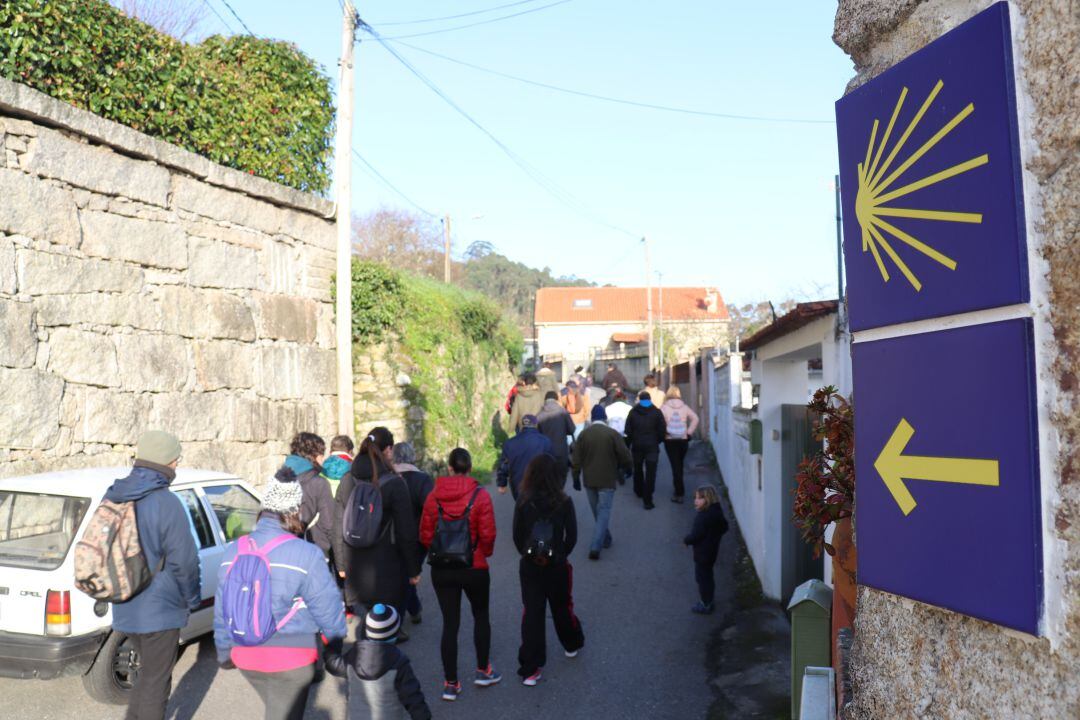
[571,653]
[532,679]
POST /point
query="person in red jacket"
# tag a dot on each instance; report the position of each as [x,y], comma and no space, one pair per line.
[451,500]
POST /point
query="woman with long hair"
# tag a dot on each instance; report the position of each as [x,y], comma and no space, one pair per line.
[381,571]
[459,500]
[303,596]
[545,532]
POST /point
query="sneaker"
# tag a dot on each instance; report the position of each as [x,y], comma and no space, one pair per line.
[678,499]
[532,679]
[487,677]
[594,554]
[402,636]
[607,542]
[702,609]
[571,653]
[451,691]
[416,619]
[649,505]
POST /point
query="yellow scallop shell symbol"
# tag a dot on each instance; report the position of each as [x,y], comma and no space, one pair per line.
[871,201]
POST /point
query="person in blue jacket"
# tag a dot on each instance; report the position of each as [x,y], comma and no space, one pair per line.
[518,452]
[153,618]
[282,669]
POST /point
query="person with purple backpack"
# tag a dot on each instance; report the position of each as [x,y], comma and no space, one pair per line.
[275,595]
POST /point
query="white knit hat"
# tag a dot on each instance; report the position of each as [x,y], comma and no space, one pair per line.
[283,493]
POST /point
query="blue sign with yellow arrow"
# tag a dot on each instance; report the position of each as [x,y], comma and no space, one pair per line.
[930,172]
[947,497]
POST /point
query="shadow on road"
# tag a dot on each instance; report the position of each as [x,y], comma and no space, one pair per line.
[190,692]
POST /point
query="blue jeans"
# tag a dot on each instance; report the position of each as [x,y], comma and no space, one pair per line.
[601,501]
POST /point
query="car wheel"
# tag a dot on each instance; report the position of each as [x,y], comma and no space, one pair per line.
[113,674]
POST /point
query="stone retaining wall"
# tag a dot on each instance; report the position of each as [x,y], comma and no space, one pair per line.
[916,661]
[143,286]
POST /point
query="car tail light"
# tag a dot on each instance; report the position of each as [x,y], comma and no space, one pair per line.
[58,613]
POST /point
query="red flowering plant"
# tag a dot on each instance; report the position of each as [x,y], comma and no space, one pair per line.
[825,490]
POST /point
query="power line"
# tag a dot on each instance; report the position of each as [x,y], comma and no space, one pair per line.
[481,22]
[238,18]
[535,174]
[460,15]
[621,101]
[389,184]
[213,9]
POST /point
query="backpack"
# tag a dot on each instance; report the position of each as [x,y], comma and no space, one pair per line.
[109,561]
[246,600]
[362,523]
[452,546]
[571,403]
[541,547]
[676,426]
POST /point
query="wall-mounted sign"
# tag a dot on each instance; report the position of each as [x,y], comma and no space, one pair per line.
[946,461]
[931,181]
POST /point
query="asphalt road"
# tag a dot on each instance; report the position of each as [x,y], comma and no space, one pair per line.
[645,653]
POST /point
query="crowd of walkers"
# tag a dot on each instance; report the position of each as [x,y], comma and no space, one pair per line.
[344,535]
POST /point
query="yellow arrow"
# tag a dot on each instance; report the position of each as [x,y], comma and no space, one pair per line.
[894,467]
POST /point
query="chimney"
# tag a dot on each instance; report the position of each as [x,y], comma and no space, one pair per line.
[712,300]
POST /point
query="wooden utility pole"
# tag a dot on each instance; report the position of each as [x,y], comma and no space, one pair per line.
[346,421]
[663,362]
[446,248]
[648,302]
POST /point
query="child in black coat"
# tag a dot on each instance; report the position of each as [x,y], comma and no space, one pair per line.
[382,683]
[709,528]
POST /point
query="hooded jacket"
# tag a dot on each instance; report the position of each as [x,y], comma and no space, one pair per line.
[298,569]
[601,455]
[378,573]
[675,405]
[453,494]
[545,378]
[334,468]
[165,536]
[529,401]
[381,682]
[556,425]
[318,503]
[709,528]
[517,453]
[645,428]
[614,377]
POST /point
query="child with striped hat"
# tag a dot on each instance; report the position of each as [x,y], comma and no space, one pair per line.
[381,681]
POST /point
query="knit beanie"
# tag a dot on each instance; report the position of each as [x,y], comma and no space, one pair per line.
[599,414]
[158,447]
[283,493]
[381,623]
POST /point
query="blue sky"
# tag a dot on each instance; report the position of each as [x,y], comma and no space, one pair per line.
[745,206]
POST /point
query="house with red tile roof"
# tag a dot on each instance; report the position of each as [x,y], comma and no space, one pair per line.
[583,324]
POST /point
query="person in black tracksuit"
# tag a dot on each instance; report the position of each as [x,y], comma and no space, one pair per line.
[545,532]
[709,528]
[645,429]
[381,682]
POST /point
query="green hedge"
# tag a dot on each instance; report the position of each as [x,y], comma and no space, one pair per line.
[256,105]
[447,338]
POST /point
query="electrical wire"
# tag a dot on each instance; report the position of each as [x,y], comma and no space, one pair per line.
[621,101]
[389,184]
[481,22]
[546,183]
[214,10]
[235,15]
[459,15]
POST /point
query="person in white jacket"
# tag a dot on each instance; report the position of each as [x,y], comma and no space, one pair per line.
[682,421]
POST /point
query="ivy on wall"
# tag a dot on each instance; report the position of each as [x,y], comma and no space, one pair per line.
[445,338]
[257,105]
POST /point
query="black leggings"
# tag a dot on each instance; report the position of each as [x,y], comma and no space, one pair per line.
[449,583]
[676,453]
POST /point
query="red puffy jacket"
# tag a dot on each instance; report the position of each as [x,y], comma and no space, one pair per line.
[453,494]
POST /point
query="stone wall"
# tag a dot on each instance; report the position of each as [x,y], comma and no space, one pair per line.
[143,286]
[915,661]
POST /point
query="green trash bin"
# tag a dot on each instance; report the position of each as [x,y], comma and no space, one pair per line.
[811,627]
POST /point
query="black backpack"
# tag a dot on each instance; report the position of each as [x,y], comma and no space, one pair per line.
[452,545]
[541,547]
[362,523]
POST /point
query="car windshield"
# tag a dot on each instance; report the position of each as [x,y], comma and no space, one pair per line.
[36,530]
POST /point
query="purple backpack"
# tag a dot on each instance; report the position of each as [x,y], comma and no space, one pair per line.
[246,601]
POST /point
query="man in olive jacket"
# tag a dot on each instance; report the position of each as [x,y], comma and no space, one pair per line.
[600,453]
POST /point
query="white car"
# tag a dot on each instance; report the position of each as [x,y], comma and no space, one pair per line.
[47,627]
